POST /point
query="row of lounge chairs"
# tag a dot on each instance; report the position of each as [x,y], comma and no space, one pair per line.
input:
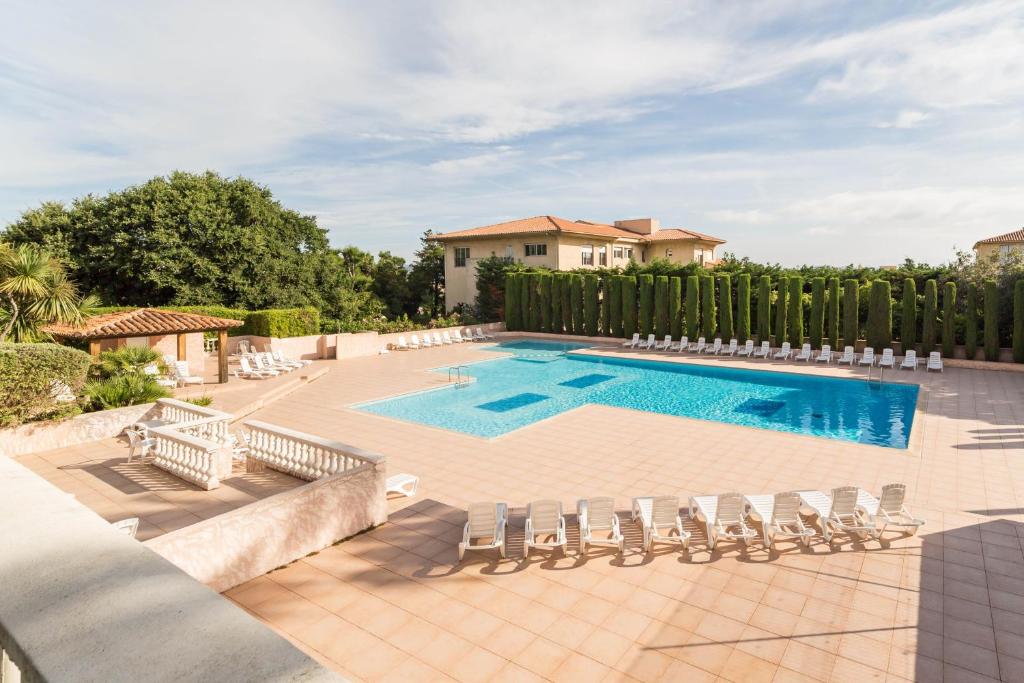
[785,352]
[725,516]
[440,339]
[267,364]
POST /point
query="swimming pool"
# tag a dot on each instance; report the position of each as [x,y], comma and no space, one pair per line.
[542,379]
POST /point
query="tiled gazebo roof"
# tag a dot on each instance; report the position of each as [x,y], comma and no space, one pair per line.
[141,322]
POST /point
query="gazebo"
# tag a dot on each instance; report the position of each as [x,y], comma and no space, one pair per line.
[152,327]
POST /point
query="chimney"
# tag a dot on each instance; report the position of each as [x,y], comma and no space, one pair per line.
[641,226]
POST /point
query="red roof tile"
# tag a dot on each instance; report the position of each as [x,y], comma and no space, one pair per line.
[1010,237]
[141,322]
[554,224]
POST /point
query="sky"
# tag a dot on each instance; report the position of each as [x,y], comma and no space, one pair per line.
[799,131]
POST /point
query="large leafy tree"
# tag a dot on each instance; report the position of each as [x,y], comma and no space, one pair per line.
[426,279]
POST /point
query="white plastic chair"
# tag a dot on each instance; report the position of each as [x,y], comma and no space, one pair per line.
[405,484]
[598,514]
[845,516]
[246,371]
[665,344]
[784,353]
[283,360]
[484,521]
[138,443]
[825,355]
[848,357]
[934,362]
[731,349]
[868,357]
[763,351]
[805,353]
[680,345]
[402,344]
[889,510]
[447,338]
[888,360]
[436,339]
[747,350]
[785,520]
[457,337]
[648,343]
[481,335]
[182,375]
[909,360]
[544,517]
[715,347]
[659,517]
[724,516]
[698,346]
[631,343]
[426,343]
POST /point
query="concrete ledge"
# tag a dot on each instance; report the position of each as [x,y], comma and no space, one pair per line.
[43,436]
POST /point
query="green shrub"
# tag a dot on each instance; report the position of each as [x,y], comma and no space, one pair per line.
[544,301]
[928,317]
[880,315]
[833,312]
[576,285]
[628,306]
[908,326]
[661,314]
[645,287]
[675,307]
[123,390]
[533,292]
[33,375]
[764,308]
[201,401]
[556,303]
[795,314]
[708,314]
[590,304]
[781,295]
[606,306]
[284,322]
[567,324]
[1018,321]
[614,294]
[971,322]
[948,319]
[991,303]
[817,326]
[512,301]
[692,306]
[743,307]
[725,307]
[127,360]
[851,313]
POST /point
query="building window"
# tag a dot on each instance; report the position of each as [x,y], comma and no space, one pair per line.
[629,253]
[510,253]
[536,250]
[602,256]
[617,252]
[461,256]
[668,253]
[588,255]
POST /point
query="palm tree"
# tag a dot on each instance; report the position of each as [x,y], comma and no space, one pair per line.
[35,290]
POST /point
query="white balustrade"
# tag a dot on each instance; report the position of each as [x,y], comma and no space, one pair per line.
[189,457]
[303,455]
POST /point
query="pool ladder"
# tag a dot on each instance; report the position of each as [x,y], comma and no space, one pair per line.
[455,372]
[871,369]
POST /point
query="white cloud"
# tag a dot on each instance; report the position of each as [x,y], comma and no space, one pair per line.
[907,118]
[752,217]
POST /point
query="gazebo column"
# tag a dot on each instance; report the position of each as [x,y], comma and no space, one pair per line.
[222,356]
[182,338]
[94,348]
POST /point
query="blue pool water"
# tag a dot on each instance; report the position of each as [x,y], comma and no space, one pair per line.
[542,379]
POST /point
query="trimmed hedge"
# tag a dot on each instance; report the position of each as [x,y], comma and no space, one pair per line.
[833,313]
[628,306]
[780,310]
[743,307]
[817,324]
[795,315]
[971,322]
[661,315]
[948,319]
[614,293]
[533,297]
[675,307]
[708,318]
[851,313]
[908,326]
[764,308]
[567,324]
[556,303]
[1018,321]
[645,289]
[576,291]
[512,307]
[725,307]
[991,303]
[590,304]
[29,373]
[544,301]
[880,315]
[928,317]
[284,322]
[692,306]
[606,307]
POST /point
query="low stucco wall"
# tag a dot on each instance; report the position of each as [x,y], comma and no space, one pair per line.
[353,345]
[44,436]
[311,347]
[232,548]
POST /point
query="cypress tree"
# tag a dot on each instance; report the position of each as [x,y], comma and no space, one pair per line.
[534,294]
[743,307]
[692,306]
[511,301]
[567,322]
[725,307]
[908,326]
[628,306]
[780,309]
[880,315]
[990,301]
[1018,321]
[795,314]
[971,322]
[556,303]
[851,313]
[544,300]
[645,286]
[578,325]
[708,318]
[833,313]
[614,293]
[928,316]
[764,309]
[817,328]
[661,317]
[675,307]
[606,306]
[524,301]
[590,304]
[948,319]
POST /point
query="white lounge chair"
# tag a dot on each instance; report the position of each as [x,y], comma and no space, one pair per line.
[447,338]
[780,517]
[647,343]
[270,362]
[484,521]
[436,339]
[457,337]
[731,349]
[153,371]
[659,517]
[481,335]
[182,376]
[888,360]
[889,510]
[598,514]
[246,371]
[845,516]
[784,353]
[848,357]
[401,344]
[747,350]
[934,362]
[544,518]
[698,346]
[631,343]
[805,353]
[715,347]
[406,484]
[293,362]
[763,351]
[825,355]
[909,360]
[129,526]
[680,345]
[723,516]
[665,344]
[868,357]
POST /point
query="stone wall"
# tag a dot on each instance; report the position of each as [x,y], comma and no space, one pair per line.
[44,436]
